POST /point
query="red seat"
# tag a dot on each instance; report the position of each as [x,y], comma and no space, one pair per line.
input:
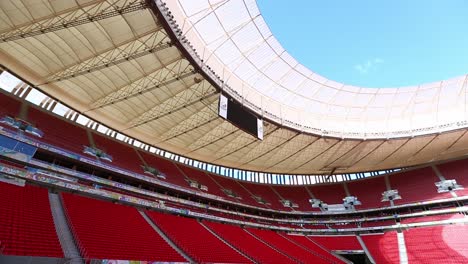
[111,231]
[26,224]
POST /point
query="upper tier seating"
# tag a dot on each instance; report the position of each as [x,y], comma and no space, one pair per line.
[330,194]
[417,185]
[196,240]
[202,179]
[123,156]
[439,244]
[369,199]
[104,230]
[293,249]
[457,170]
[166,167]
[383,247]
[26,223]
[59,133]
[9,106]
[248,244]
[266,193]
[236,187]
[338,242]
[295,194]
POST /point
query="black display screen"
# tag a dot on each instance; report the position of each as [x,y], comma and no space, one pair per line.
[241,117]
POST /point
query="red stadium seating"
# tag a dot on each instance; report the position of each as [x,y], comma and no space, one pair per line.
[236,187]
[196,240]
[330,194]
[431,218]
[123,156]
[58,132]
[26,223]
[266,193]
[10,105]
[298,195]
[110,231]
[248,244]
[295,250]
[166,167]
[439,244]
[338,242]
[307,242]
[202,179]
[417,185]
[383,247]
[457,170]
[369,199]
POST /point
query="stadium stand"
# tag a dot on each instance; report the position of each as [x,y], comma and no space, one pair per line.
[420,188]
[26,224]
[330,194]
[248,244]
[74,139]
[266,193]
[307,242]
[431,218]
[236,187]
[9,106]
[123,156]
[196,240]
[456,170]
[382,247]
[438,244]
[202,179]
[166,167]
[110,231]
[293,249]
[297,195]
[370,193]
[414,186]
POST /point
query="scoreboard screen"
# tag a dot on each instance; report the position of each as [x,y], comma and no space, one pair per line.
[240,117]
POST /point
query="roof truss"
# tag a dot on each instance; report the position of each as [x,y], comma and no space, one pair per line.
[75,17]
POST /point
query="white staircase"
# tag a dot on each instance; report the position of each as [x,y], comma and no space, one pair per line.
[70,250]
[402,248]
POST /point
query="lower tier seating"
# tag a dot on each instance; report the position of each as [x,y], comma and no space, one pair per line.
[383,247]
[305,241]
[26,223]
[196,240]
[248,244]
[110,231]
[289,247]
[439,244]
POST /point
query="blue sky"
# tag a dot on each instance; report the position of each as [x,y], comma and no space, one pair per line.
[374,43]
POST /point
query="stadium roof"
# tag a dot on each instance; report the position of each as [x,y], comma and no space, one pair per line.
[156,76]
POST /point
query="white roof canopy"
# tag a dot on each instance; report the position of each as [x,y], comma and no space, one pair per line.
[232,37]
